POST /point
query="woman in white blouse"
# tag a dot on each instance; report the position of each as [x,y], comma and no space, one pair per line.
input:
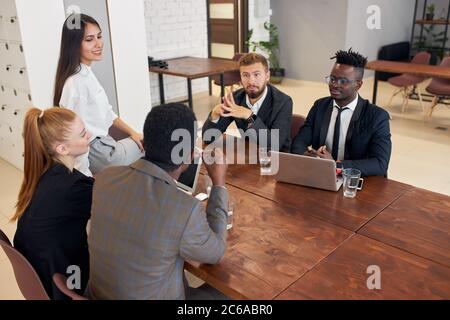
[77,89]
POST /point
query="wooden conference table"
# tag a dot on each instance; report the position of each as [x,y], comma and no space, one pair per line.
[193,68]
[293,242]
[404,67]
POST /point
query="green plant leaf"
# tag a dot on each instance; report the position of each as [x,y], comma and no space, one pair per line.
[271,47]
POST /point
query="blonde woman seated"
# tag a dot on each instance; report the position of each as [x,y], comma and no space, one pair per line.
[54,203]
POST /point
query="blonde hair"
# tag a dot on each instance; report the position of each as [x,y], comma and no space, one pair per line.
[41,130]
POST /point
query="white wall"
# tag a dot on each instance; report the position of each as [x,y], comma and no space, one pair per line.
[128,39]
[41,57]
[396,25]
[259,12]
[29,78]
[176,28]
[311,31]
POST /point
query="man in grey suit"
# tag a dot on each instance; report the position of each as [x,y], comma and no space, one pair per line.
[143,227]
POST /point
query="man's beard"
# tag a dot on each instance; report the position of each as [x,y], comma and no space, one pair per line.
[255,94]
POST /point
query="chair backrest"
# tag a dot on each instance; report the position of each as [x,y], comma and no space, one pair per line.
[297,122]
[422,57]
[61,283]
[445,62]
[27,279]
[237,56]
[440,86]
[4,237]
[230,77]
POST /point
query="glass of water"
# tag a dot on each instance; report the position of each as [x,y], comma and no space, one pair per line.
[351,182]
[264,161]
[208,184]
[231,212]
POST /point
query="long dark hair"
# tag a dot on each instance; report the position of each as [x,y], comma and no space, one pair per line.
[70,52]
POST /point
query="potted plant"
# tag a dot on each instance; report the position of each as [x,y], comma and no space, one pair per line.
[431,41]
[430,12]
[272,49]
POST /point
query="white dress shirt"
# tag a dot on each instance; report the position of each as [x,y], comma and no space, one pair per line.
[254,107]
[84,95]
[346,116]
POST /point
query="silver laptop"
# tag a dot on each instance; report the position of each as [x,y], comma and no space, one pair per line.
[306,171]
[187,181]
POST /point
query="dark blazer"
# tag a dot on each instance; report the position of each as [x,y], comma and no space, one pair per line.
[275,113]
[51,233]
[368,143]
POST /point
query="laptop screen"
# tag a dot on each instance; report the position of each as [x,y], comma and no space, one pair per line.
[188,177]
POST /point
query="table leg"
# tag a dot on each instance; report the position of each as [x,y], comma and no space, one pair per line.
[375,88]
[161,88]
[210,86]
[222,88]
[189,83]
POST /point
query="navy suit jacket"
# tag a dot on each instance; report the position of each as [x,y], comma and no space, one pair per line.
[368,142]
[275,113]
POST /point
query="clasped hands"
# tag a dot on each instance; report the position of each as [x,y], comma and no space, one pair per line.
[228,108]
[322,152]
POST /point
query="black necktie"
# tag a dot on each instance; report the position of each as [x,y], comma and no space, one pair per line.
[337,131]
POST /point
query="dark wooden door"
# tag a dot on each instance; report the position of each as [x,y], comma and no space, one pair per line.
[227,27]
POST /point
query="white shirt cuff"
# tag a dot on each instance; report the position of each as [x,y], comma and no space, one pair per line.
[215,121]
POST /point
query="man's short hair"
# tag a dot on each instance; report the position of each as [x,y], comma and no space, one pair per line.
[251,58]
[159,125]
[351,58]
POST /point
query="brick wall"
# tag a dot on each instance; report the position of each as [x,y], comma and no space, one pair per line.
[176,28]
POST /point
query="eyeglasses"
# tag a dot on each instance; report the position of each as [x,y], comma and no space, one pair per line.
[339,81]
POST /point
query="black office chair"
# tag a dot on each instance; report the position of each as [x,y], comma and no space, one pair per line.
[393,52]
[230,78]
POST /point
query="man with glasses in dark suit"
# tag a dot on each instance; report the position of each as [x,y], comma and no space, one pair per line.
[345,127]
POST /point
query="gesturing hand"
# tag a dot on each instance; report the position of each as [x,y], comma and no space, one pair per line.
[138,138]
[311,152]
[324,154]
[230,109]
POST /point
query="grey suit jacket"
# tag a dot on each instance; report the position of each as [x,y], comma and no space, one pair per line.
[143,228]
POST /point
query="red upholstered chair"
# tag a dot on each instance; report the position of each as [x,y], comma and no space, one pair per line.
[439,87]
[407,83]
[61,283]
[297,122]
[27,279]
[4,238]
